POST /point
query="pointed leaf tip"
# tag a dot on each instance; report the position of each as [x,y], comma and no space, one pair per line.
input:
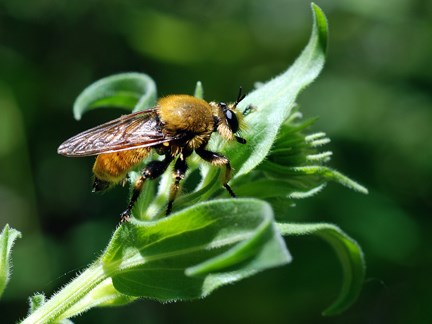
[320,25]
[276,98]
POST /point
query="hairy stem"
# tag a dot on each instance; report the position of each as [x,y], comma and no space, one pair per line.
[67,297]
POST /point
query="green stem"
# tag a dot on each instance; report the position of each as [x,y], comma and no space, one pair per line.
[67,297]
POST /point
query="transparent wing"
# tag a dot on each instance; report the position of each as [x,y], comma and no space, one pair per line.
[141,129]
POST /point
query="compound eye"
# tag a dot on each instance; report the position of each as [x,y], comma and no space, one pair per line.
[229,115]
[232,120]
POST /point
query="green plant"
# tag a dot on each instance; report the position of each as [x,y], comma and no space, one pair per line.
[7,240]
[210,241]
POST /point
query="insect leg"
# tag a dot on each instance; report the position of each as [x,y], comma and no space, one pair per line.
[180,168]
[153,170]
[218,160]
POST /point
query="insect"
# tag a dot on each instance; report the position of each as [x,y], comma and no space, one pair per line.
[175,128]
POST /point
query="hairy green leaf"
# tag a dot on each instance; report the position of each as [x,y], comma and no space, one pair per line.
[349,253]
[195,251]
[321,173]
[35,302]
[274,100]
[7,239]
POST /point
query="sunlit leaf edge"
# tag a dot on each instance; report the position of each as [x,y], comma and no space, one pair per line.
[105,93]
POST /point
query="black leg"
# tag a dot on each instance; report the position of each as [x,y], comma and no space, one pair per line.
[230,191]
[153,170]
[180,168]
[218,160]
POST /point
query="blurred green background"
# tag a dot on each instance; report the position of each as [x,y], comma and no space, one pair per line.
[374,100]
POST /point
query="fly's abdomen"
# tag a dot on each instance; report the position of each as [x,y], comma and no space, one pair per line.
[113,167]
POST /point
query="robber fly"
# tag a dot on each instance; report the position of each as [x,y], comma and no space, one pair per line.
[177,126]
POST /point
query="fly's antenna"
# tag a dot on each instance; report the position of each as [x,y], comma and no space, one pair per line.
[240,97]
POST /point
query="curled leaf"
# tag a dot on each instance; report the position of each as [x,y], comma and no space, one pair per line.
[194,251]
[131,91]
[350,256]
